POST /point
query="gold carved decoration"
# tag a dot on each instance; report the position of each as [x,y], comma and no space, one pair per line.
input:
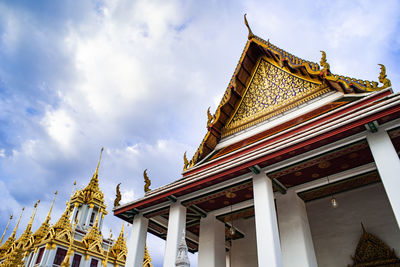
[147,181]
[373,252]
[117,196]
[271,91]
[324,63]
[383,77]
[251,35]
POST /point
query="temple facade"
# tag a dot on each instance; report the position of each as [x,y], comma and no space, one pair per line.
[75,239]
[299,167]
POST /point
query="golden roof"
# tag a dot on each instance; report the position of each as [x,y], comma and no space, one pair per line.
[7,245]
[119,249]
[91,194]
[147,258]
[256,49]
[93,239]
[44,227]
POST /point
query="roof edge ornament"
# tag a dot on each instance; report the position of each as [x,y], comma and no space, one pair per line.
[147,181]
[118,196]
[383,77]
[324,63]
[251,35]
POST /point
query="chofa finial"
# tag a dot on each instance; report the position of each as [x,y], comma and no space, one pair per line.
[185,162]
[383,77]
[324,63]
[146,181]
[251,35]
[117,196]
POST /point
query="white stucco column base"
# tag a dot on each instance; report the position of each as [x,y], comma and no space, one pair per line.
[295,235]
[268,245]
[388,164]
[137,241]
[176,226]
[211,243]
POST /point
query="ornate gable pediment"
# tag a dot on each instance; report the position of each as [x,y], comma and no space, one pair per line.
[271,91]
[371,251]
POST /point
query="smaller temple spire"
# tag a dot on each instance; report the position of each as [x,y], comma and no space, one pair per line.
[41,232]
[4,248]
[67,259]
[98,164]
[146,257]
[5,230]
[108,250]
[26,235]
[119,248]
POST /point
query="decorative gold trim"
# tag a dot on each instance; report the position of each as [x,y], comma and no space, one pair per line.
[262,115]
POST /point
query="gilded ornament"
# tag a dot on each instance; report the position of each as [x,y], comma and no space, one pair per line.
[117,196]
[251,35]
[185,162]
[5,230]
[147,182]
[383,77]
[209,116]
[324,62]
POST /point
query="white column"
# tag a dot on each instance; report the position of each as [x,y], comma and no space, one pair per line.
[137,241]
[388,164]
[76,205]
[34,257]
[48,262]
[101,216]
[81,215]
[176,226]
[211,243]
[87,222]
[294,229]
[268,246]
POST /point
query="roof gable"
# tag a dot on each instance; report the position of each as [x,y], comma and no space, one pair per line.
[303,80]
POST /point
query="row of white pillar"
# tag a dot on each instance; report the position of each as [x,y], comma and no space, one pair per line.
[291,245]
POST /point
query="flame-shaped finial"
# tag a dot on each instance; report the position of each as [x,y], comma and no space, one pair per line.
[251,35]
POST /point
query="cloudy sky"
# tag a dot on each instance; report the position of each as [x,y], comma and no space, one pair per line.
[137,78]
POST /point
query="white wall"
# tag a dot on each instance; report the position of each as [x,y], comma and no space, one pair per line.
[336,232]
[244,251]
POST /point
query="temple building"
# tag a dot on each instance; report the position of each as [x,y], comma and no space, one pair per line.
[299,167]
[75,239]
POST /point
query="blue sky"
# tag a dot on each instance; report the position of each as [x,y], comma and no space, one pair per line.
[137,78]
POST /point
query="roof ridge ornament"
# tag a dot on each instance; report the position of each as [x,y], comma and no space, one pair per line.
[324,64]
[147,181]
[118,196]
[185,162]
[251,35]
[383,77]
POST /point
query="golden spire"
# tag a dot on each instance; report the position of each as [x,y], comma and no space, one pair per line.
[146,258]
[1,241]
[64,221]
[251,35]
[41,232]
[146,181]
[93,234]
[92,191]
[24,238]
[120,244]
[108,250]
[67,259]
[11,239]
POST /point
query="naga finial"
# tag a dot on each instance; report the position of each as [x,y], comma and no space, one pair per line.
[209,116]
[185,162]
[251,35]
[146,181]
[324,62]
[383,77]
[117,196]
